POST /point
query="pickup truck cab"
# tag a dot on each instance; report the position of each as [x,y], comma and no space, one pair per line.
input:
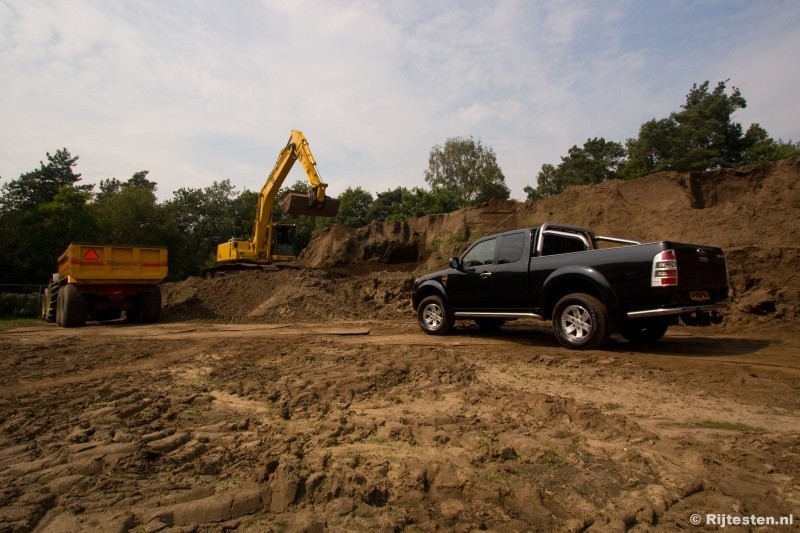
[589,286]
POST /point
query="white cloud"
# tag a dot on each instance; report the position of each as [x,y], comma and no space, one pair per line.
[208,90]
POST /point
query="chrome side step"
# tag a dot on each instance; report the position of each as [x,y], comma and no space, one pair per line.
[672,311]
[488,314]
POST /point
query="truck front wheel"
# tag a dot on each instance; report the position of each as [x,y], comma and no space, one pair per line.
[433,316]
[580,322]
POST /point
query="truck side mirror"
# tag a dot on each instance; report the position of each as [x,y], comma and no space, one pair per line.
[455,262]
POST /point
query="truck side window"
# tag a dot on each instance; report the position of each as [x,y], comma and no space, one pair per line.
[480,254]
[556,244]
[510,248]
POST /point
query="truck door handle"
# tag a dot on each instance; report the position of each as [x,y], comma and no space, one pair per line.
[485,274]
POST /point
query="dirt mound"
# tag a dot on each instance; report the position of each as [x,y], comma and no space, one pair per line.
[753,213]
[289,295]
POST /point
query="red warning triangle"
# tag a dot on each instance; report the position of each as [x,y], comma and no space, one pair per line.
[91,255]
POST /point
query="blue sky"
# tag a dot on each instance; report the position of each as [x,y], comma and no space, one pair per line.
[198,91]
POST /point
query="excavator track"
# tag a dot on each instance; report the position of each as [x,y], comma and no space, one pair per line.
[211,272]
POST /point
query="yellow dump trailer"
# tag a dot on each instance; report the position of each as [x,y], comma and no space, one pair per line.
[100,282]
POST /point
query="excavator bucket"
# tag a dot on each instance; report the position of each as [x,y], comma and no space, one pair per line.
[297,204]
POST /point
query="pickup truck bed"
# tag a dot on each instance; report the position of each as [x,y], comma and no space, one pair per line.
[569,275]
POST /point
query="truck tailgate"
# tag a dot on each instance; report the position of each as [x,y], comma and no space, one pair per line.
[91,263]
[702,275]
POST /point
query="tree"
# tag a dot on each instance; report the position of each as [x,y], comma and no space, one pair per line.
[386,203]
[701,136]
[419,202]
[41,185]
[762,148]
[354,208]
[32,239]
[128,211]
[204,218]
[597,161]
[468,169]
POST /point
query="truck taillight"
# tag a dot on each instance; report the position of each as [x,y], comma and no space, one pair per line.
[665,269]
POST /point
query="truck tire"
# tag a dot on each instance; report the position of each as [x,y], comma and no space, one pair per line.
[151,306]
[580,322]
[50,302]
[147,308]
[643,331]
[433,316]
[490,324]
[71,309]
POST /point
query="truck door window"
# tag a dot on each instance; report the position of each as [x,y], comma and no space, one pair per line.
[557,244]
[480,254]
[510,248]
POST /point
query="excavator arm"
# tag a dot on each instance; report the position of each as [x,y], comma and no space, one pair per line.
[259,248]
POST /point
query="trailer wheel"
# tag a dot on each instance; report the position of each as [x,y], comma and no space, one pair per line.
[147,308]
[151,306]
[643,331]
[72,308]
[580,322]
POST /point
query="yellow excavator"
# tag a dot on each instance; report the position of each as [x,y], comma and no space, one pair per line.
[273,243]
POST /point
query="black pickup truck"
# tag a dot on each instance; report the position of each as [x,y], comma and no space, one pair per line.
[589,286]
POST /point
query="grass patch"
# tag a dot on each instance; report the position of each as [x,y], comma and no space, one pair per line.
[10,323]
[731,426]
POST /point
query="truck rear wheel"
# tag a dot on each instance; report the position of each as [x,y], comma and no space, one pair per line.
[433,316]
[72,308]
[580,322]
[643,331]
[490,324]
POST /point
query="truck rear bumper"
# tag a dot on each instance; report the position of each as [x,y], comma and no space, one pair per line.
[667,311]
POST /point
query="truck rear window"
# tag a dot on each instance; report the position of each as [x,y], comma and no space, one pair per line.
[556,244]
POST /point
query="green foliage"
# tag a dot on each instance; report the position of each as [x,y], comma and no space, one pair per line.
[19,305]
[467,169]
[385,203]
[597,161]
[419,202]
[355,207]
[130,215]
[701,136]
[200,219]
[31,239]
[41,185]
[761,148]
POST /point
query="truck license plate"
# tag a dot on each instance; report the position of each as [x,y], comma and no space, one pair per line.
[699,296]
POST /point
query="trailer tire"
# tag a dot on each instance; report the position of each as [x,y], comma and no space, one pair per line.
[72,308]
[151,306]
[147,308]
[581,322]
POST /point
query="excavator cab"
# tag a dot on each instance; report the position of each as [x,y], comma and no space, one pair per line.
[284,241]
